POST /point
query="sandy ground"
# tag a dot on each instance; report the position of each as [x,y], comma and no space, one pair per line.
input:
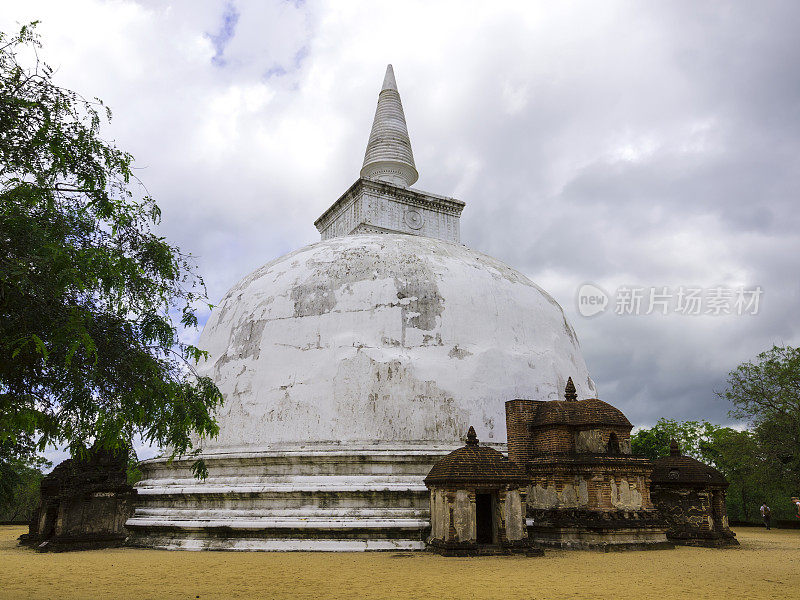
[767,565]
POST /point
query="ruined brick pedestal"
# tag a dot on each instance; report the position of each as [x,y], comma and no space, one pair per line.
[84,505]
[596,502]
[606,531]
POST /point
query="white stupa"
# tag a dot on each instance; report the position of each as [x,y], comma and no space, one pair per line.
[349,366]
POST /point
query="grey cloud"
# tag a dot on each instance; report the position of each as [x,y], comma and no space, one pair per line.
[616,142]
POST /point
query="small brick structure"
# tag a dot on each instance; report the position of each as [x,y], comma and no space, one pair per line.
[586,489]
[478,503]
[691,497]
[84,504]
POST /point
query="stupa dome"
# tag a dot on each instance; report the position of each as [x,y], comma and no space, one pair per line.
[350,366]
[368,339]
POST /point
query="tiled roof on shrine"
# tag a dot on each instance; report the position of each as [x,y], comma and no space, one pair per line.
[475,463]
[677,469]
[579,412]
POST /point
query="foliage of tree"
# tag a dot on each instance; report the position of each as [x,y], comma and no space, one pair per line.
[89,295]
[20,476]
[766,393]
[693,438]
[737,455]
[734,453]
[762,463]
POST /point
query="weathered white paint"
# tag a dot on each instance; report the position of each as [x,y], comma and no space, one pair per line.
[572,494]
[383,340]
[242,544]
[347,368]
[458,508]
[590,440]
[596,441]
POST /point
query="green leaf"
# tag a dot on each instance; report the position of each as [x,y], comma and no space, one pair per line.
[87,291]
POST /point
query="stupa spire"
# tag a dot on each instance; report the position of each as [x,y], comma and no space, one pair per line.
[381,200]
[389,157]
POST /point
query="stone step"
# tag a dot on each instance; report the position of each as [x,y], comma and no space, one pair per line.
[291,500]
[334,461]
[279,489]
[280,533]
[267,524]
[296,513]
[299,482]
[289,544]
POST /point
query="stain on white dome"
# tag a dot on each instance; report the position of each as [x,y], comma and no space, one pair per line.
[396,339]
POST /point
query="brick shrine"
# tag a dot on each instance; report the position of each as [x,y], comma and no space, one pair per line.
[690,495]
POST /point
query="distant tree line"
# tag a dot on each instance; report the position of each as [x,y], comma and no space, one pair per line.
[20,476]
[761,462]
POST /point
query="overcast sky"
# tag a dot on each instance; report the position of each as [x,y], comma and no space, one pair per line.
[644,144]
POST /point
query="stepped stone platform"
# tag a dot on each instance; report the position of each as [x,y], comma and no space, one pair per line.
[309,498]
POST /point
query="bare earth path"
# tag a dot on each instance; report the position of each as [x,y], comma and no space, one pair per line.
[766,566]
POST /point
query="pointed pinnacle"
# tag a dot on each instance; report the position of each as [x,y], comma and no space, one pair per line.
[674,450]
[570,394]
[472,437]
[389,157]
[388,81]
